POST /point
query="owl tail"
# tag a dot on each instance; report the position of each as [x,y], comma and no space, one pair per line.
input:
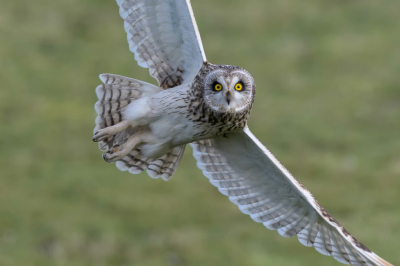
[163,167]
[114,96]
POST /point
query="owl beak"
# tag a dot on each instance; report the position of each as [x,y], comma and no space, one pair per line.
[228,97]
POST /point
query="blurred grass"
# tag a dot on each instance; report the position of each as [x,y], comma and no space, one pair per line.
[327,105]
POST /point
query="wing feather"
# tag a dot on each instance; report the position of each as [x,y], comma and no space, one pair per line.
[164,37]
[245,171]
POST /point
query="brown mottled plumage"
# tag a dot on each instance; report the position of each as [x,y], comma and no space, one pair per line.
[199,111]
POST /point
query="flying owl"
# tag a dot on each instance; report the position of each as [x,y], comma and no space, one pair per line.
[145,127]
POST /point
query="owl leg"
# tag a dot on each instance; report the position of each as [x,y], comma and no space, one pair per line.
[110,131]
[118,152]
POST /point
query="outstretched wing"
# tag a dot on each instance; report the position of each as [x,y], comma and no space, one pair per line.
[246,171]
[164,36]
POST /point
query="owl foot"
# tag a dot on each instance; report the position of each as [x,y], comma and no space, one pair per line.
[101,134]
[118,152]
[109,132]
[115,155]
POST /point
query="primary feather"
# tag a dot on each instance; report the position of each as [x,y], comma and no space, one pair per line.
[164,37]
[247,172]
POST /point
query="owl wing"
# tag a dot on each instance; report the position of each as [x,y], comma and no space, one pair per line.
[246,171]
[164,37]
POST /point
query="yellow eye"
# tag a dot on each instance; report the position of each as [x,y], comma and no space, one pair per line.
[238,87]
[218,87]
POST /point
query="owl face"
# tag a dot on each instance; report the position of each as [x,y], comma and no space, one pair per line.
[230,89]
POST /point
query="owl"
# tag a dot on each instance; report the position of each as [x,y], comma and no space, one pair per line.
[143,127]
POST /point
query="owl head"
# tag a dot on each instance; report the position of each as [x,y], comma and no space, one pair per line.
[228,89]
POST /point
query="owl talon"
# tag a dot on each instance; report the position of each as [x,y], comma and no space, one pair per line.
[100,135]
[118,152]
[115,153]
[110,131]
[113,157]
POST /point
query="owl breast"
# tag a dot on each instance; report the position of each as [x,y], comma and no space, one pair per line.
[173,125]
[181,117]
[183,114]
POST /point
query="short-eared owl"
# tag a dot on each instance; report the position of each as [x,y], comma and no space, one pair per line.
[145,127]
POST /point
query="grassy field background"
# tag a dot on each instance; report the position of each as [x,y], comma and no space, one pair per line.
[327,105]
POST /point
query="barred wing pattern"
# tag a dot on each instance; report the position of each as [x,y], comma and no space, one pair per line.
[164,36]
[246,171]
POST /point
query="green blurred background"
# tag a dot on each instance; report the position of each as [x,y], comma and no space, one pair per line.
[327,105]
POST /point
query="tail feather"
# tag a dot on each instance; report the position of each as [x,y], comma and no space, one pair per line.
[163,167]
[134,162]
[114,95]
[166,166]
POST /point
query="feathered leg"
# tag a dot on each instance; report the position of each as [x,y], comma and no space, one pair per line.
[121,139]
[118,152]
[107,132]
